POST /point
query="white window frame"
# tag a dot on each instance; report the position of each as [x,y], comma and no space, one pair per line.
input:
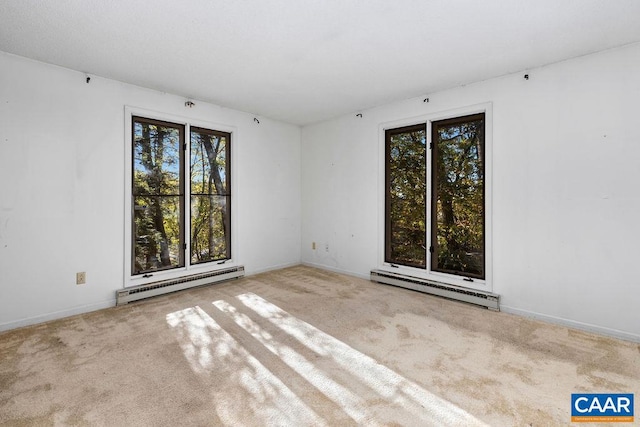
[426,273]
[188,269]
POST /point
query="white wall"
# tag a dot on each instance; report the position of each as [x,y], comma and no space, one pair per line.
[62,180]
[566,197]
[565,193]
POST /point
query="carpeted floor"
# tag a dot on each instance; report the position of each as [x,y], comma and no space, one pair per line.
[301,346]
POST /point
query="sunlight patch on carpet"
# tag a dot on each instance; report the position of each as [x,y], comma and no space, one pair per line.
[217,357]
[245,390]
[350,403]
[395,389]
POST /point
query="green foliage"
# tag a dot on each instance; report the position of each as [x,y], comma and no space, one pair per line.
[157,197]
[460,198]
[157,232]
[407,192]
[210,231]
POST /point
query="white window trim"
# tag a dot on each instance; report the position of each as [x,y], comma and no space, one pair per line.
[131,280]
[487,283]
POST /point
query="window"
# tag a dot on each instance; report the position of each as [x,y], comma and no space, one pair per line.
[210,196]
[163,226]
[435,197]
[457,207]
[406,186]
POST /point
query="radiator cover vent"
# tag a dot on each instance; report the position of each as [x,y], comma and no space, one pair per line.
[173,285]
[485,299]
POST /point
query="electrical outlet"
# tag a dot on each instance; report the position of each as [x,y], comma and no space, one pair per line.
[313,245]
[81,278]
[326,247]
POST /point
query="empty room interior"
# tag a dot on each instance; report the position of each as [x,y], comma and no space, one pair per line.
[299,213]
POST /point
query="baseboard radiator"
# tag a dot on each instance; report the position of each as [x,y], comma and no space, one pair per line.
[173,285]
[485,299]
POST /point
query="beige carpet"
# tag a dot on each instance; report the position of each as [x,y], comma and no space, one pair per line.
[301,347]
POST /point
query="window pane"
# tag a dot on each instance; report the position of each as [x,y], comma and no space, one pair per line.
[405,196]
[459,196]
[156,159]
[157,239]
[210,235]
[158,196]
[208,162]
[210,196]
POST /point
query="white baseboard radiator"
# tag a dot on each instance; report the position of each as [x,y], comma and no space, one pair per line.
[173,285]
[485,299]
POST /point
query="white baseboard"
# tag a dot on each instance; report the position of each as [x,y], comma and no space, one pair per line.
[588,327]
[337,270]
[28,321]
[615,333]
[248,272]
[56,315]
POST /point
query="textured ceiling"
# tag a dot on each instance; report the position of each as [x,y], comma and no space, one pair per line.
[303,61]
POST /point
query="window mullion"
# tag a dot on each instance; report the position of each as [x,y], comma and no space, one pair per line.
[187,195]
[429,208]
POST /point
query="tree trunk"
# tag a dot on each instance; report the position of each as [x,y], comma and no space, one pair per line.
[212,151]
